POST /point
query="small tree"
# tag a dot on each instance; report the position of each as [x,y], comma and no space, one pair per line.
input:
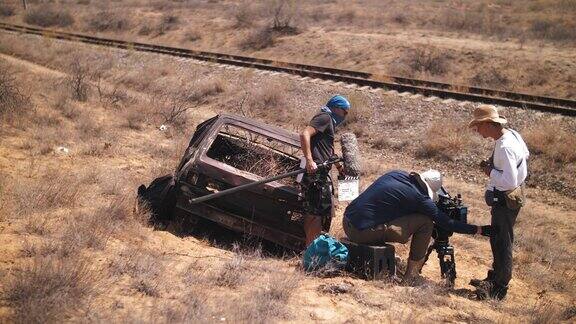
[77,81]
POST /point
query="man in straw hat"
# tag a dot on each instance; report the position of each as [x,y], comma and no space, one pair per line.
[400,205]
[507,169]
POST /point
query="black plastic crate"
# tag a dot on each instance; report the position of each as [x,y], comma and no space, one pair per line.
[370,262]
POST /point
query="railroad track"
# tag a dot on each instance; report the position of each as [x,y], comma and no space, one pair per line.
[423,87]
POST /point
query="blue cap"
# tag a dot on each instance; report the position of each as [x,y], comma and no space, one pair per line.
[338,101]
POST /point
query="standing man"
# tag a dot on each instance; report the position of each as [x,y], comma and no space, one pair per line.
[317,143]
[507,169]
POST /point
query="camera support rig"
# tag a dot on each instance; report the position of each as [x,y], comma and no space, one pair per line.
[455,209]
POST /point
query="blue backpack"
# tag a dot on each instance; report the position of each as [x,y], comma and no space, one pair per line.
[323,251]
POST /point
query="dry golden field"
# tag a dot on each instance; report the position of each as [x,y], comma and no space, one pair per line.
[80,131]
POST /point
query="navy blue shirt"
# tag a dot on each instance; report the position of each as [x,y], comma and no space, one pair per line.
[394,195]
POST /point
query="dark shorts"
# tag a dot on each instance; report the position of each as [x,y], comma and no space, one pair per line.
[317,191]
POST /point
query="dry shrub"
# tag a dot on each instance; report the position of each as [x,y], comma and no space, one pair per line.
[87,230]
[428,60]
[143,266]
[490,77]
[232,274]
[88,128]
[68,109]
[13,102]
[6,10]
[360,110]
[135,119]
[192,35]
[46,16]
[49,289]
[267,302]
[55,190]
[445,141]
[77,80]
[172,107]
[258,40]
[168,22]
[36,224]
[108,21]
[552,142]
[207,88]
[282,14]
[554,29]
[244,15]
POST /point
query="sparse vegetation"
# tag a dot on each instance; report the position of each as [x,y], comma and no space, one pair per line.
[46,16]
[258,40]
[6,10]
[445,141]
[13,101]
[108,21]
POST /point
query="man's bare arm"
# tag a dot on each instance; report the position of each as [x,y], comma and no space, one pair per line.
[305,136]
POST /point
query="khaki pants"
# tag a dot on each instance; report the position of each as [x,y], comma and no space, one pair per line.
[398,230]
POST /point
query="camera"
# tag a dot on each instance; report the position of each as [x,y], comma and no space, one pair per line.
[455,209]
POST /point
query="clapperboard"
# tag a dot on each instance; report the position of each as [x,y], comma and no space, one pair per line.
[348,188]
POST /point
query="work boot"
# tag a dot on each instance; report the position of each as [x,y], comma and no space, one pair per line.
[412,273]
[490,289]
[477,282]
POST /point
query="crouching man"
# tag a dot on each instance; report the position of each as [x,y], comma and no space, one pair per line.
[507,169]
[400,205]
[317,143]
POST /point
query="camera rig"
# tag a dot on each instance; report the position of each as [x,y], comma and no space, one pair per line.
[455,209]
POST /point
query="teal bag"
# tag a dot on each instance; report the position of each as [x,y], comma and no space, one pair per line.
[325,250]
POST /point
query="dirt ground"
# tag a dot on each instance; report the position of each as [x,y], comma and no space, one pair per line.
[514,45]
[73,249]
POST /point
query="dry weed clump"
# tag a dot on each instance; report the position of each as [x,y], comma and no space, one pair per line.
[552,142]
[259,39]
[143,266]
[490,77]
[428,60]
[268,302]
[13,101]
[77,80]
[6,10]
[108,21]
[48,289]
[55,190]
[46,16]
[445,141]
[244,15]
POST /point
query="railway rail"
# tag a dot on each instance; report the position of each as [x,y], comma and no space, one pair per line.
[400,84]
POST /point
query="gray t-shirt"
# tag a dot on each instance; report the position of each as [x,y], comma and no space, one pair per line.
[322,143]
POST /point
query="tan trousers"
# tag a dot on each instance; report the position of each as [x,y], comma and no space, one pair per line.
[399,230]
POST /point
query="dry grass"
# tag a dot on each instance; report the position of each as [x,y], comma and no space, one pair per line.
[108,21]
[49,289]
[258,40]
[47,16]
[445,141]
[6,10]
[552,142]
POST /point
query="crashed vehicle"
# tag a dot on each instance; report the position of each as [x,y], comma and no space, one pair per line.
[228,151]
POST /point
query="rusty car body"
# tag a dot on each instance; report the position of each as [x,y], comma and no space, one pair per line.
[227,151]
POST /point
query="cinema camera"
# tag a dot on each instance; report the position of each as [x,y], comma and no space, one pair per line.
[454,208]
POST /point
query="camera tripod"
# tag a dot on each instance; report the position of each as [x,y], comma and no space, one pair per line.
[445,253]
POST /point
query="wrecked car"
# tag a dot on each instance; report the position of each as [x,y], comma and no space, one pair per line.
[227,151]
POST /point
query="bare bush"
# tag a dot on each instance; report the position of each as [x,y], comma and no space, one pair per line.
[428,60]
[207,88]
[282,13]
[77,80]
[258,40]
[233,272]
[108,21]
[46,16]
[172,107]
[6,10]
[143,266]
[192,35]
[490,77]
[244,15]
[555,30]
[49,289]
[13,101]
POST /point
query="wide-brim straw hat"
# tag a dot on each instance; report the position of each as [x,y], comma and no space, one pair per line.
[486,113]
